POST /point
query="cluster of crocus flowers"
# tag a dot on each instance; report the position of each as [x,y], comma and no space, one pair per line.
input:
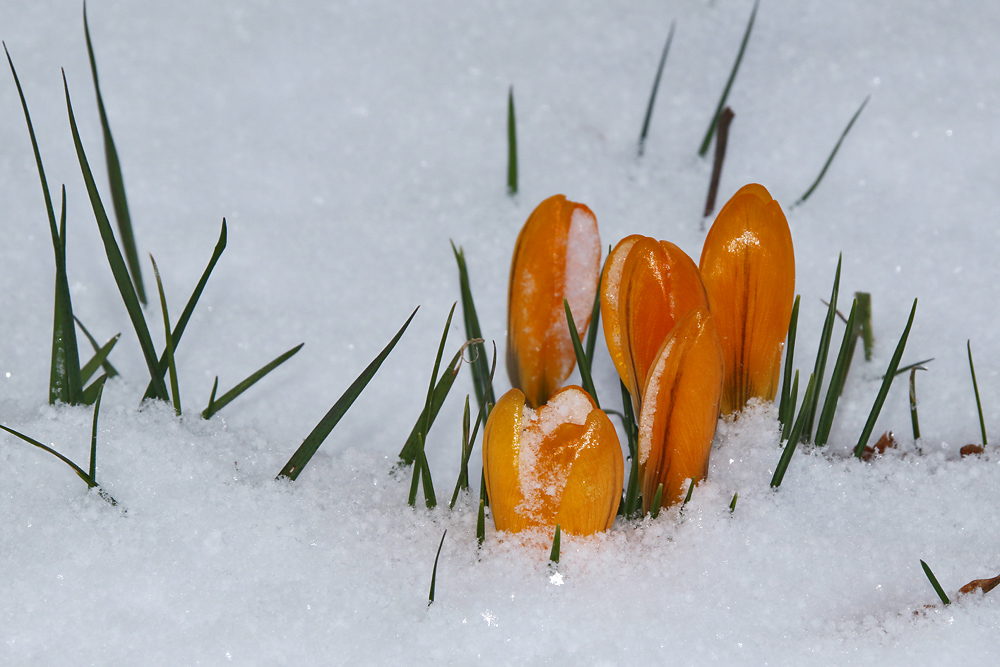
[688,341]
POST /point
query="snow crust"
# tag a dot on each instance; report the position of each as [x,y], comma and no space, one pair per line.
[346,143]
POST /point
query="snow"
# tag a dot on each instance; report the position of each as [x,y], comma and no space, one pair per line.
[345,144]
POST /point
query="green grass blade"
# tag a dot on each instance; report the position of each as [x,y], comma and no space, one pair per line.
[80,472]
[408,453]
[175,391]
[886,383]
[732,505]
[311,444]
[975,387]
[93,430]
[511,145]
[189,307]
[581,356]
[934,583]
[913,403]
[98,359]
[115,259]
[794,437]
[865,318]
[687,498]
[656,87]
[909,367]
[833,153]
[837,379]
[434,573]
[481,378]
[64,382]
[786,409]
[554,554]
[117,184]
[106,365]
[216,404]
[423,470]
[595,317]
[786,427]
[468,443]
[633,502]
[654,511]
[821,354]
[729,84]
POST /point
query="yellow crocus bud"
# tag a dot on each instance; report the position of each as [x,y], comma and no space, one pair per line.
[559,464]
[646,288]
[557,256]
[748,267]
[680,408]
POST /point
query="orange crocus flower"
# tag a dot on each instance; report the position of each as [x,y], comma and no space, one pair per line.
[560,464]
[748,267]
[557,256]
[647,287]
[680,408]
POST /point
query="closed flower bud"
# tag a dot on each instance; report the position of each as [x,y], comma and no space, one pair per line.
[557,256]
[559,464]
[748,267]
[680,408]
[647,287]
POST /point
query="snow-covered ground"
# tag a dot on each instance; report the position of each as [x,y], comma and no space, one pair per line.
[346,143]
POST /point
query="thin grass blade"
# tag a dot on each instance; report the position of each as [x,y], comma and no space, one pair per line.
[785,409]
[793,438]
[481,521]
[93,431]
[581,356]
[865,318]
[554,554]
[821,355]
[909,367]
[729,84]
[687,498]
[311,444]
[975,387]
[408,453]
[182,321]
[481,377]
[216,404]
[511,145]
[80,472]
[115,181]
[98,359]
[633,501]
[169,348]
[732,505]
[934,583]
[116,261]
[833,153]
[886,383]
[434,573]
[64,379]
[837,379]
[913,403]
[656,87]
[595,317]
[786,428]
[106,365]
[654,510]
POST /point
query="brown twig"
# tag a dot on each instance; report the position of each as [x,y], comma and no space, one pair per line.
[721,137]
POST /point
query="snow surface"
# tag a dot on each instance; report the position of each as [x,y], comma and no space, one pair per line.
[346,143]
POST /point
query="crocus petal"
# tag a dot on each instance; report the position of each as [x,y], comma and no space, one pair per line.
[648,286]
[557,256]
[748,267]
[559,464]
[680,408]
